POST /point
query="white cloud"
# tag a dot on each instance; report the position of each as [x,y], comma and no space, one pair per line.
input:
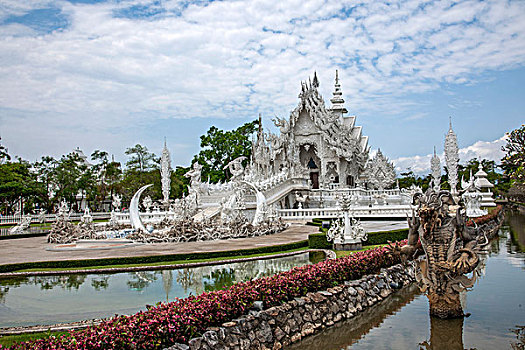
[490,150]
[231,59]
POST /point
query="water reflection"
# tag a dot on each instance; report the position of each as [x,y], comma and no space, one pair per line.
[496,304]
[349,332]
[444,334]
[67,298]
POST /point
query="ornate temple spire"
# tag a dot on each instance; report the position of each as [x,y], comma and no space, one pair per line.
[260,131]
[452,158]
[315,82]
[165,174]
[337,100]
[435,168]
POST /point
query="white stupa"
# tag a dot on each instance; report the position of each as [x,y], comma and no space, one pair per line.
[485,186]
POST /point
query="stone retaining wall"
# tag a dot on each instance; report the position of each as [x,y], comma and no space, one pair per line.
[282,325]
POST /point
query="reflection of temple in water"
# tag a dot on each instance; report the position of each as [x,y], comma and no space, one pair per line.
[207,278]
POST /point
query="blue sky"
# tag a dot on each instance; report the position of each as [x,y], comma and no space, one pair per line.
[110,74]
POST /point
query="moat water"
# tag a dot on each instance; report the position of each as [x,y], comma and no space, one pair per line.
[496,305]
[46,300]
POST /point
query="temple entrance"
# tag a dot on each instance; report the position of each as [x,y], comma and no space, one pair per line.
[314,178]
[350,182]
[314,173]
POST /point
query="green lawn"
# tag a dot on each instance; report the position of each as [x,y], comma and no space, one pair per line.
[9,340]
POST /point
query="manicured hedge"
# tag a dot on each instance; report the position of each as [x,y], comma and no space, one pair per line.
[24,235]
[318,240]
[176,322]
[65,264]
[382,237]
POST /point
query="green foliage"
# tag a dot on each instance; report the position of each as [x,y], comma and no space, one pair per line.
[65,264]
[4,155]
[318,241]
[382,237]
[408,179]
[513,163]
[141,160]
[16,181]
[23,235]
[219,147]
[9,340]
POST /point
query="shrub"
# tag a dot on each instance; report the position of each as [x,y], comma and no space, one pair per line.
[318,241]
[383,237]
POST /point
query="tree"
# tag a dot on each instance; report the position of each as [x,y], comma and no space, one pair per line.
[107,174]
[219,147]
[513,163]
[44,171]
[408,179]
[72,176]
[141,159]
[17,182]
[4,155]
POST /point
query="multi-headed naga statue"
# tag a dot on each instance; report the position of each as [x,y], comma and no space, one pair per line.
[450,250]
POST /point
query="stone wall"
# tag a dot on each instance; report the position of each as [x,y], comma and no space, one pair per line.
[282,325]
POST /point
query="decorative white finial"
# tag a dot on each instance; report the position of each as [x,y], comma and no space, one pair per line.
[337,100]
[452,158]
[435,169]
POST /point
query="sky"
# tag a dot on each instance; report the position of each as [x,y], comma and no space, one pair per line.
[110,74]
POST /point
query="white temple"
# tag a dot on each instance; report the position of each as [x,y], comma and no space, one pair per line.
[317,142]
[319,154]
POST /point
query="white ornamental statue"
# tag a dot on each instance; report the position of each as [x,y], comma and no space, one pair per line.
[116,202]
[236,168]
[86,218]
[63,211]
[452,159]
[435,169]
[165,174]
[346,233]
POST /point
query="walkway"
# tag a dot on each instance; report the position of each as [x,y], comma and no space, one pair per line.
[34,249]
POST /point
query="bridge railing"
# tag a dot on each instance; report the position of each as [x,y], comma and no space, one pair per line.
[390,211]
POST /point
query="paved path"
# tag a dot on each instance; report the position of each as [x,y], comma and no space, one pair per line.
[33,249]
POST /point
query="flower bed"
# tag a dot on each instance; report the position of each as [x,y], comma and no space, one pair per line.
[177,322]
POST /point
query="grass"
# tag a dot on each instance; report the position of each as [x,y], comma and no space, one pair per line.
[341,253]
[176,262]
[9,340]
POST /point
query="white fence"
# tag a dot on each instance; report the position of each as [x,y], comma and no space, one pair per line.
[386,211]
[35,219]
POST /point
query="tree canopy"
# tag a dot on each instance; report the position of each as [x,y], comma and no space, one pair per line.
[219,147]
[513,163]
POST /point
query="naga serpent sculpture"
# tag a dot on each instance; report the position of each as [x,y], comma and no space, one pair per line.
[450,250]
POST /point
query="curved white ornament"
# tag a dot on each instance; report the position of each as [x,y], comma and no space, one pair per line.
[261,204]
[134,215]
